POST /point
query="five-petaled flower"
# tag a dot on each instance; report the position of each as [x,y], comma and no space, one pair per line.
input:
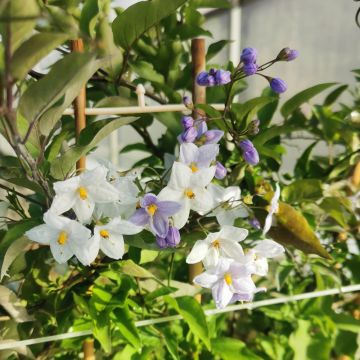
[155,213]
[82,192]
[66,238]
[217,245]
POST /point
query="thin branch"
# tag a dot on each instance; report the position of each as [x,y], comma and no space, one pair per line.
[21,195]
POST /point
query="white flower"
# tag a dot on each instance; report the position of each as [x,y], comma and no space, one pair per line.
[198,157]
[264,250]
[227,204]
[110,236]
[229,281]
[272,209]
[188,188]
[66,238]
[223,243]
[80,193]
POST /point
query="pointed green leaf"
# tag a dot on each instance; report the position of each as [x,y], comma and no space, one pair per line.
[140,17]
[302,97]
[302,190]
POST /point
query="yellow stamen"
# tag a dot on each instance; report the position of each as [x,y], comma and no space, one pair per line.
[193,167]
[104,233]
[62,238]
[151,209]
[216,244]
[82,193]
[189,194]
[228,278]
[248,199]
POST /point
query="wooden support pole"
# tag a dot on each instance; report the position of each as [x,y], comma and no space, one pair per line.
[198,56]
[88,348]
[79,107]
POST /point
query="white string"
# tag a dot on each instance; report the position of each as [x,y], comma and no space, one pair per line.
[126,110]
[10,344]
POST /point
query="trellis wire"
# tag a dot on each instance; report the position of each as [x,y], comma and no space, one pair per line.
[248,306]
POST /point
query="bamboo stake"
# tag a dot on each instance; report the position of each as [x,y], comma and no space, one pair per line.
[79,107]
[199,97]
[80,123]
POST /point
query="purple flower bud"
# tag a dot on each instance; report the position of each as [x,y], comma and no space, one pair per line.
[189,135]
[249,152]
[187,101]
[221,171]
[250,68]
[253,127]
[254,222]
[171,239]
[222,77]
[206,79]
[187,122]
[213,136]
[248,55]
[278,85]
[287,54]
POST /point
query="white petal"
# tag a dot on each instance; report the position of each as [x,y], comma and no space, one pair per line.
[67,186]
[55,221]
[43,234]
[202,177]
[188,153]
[217,193]
[239,211]
[180,176]
[268,248]
[222,294]
[113,246]
[261,266]
[84,209]
[212,258]
[86,254]
[170,194]
[206,154]
[232,249]
[103,192]
[268,223]
[225,217]
[182,216]
[198,252]
[233,233]
[206,280]
[93,177]
[63,202]
[243,285]
[202,203]
[232,193]
[61,253]
[124,227]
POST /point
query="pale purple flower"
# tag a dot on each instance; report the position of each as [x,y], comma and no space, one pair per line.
[206,79]
[221,171]
[227,279]
[250,68]
[187,122]
[155,213]
[188,136]
[171,239]
[287,54]
[222,77]
[198,157]
[248,55]
[249,152]
[213,77]
[278,85]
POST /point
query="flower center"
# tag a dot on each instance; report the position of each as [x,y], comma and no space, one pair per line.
[189,194]
[216,244]
[83,193]
[62,238]
[151,209]
[193,167]
[104,234]
[228,278]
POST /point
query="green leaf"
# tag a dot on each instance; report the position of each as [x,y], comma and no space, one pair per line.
[193,314]
[128,267]
[334,95]
[302,97]
[135,147]
[219,4]
[229,349]
[346,322]
[138,18]
[146,71]
[102,331]
[126,326]
[272,132]
[266,113]
[89,15]
[45,100]
[302,190]
[171,343]
[33,50]
[215,48]
[334,209]
[165,290]
[302,165]
[293,229]
[89,138]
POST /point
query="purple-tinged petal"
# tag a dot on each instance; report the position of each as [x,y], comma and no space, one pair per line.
[201,127]
[250,69]
[159,224]
[255,223]
[222,77]
[172,237]
[287,54]
[148,199]
[278,85]
[189,135]
[187,121]
[222,294]
[221,171]
[250,154]
[187,101]
[203,78]
[161,242]
[248,55]
[168,208]
[213,136]
[140,217]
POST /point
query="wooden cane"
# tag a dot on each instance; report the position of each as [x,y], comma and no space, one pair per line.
[198,55]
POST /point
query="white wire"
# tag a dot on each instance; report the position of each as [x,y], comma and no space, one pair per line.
[10,344]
